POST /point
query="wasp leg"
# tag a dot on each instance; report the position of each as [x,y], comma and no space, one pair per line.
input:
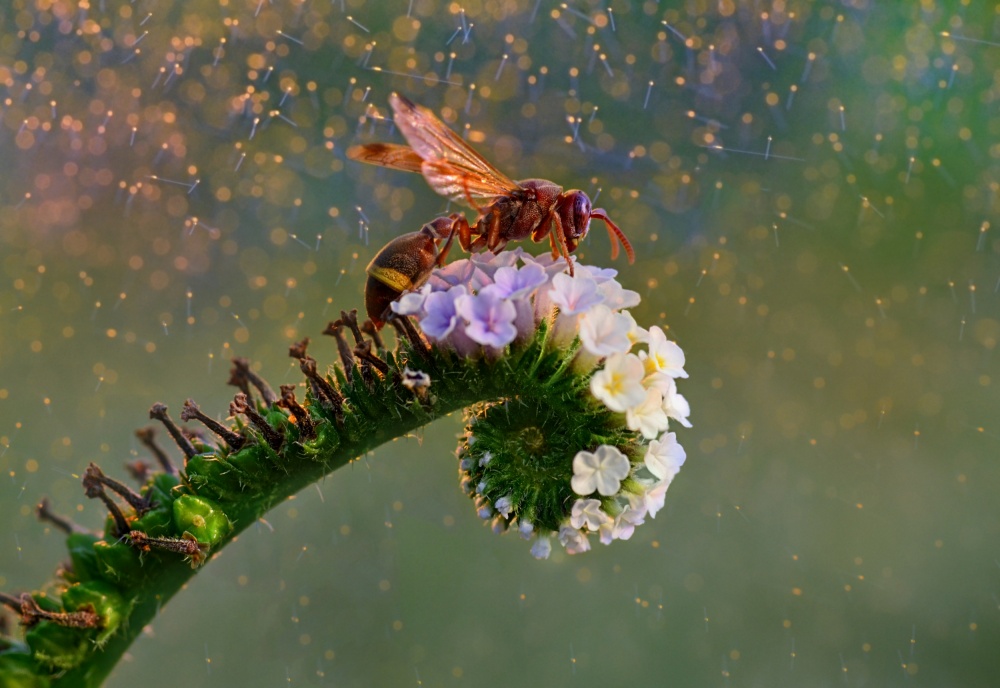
[494,238]
[456,228]
[557,236]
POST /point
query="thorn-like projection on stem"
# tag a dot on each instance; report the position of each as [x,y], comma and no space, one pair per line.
[406,330]
[45,514]
[191,411]
[93,489]
[242,370]
[187,545]
[31,613]
[364,352]
[159,412]
[325,392]
[139,470]
[241,404]
[135,500]
[336,330]
[368,327]
[147,436]
[303,420]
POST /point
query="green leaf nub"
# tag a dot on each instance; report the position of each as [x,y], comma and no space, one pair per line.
[202,518]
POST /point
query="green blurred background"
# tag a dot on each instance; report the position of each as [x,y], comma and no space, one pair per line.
[174,192]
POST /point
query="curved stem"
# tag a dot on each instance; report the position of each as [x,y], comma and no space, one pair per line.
[459,384]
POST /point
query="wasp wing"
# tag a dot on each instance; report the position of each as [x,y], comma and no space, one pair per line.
[451,166]
[388,155]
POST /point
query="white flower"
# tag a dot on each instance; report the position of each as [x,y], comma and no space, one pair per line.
[619,383]
[573,540]
[677,407]
[602,470]
[587,512]
[542,547]
[664,355]
[627,521]
[616,296]
[622,527]
[574,295]
[649,418]
[604,332]
[636,334]
[415,379]
[650,499]
[664,457]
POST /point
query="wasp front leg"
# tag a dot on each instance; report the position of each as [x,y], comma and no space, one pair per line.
[557,237]
[459,227]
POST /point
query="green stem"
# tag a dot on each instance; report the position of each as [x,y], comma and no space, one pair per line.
[373,415]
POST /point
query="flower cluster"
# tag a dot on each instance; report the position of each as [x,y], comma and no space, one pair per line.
[520,461]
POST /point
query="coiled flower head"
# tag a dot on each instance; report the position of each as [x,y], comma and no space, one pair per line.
[584,449]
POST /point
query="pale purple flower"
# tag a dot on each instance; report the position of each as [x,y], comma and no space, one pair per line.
[504,505]
[514,283]
[574,295]
[573,540]
[616,296]
[619,383]
[490,318]
[441,316]
[542,547]
[552,264]
[602,470]
[412,302]
[489,262]
[525,528]
[664,457]
[453,274]
[598,274]
[587,512]
[543,303]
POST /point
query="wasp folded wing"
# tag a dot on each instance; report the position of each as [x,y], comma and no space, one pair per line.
[458,185]
[388,155]
[436,143]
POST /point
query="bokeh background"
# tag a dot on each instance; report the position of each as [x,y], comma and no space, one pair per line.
[811,188]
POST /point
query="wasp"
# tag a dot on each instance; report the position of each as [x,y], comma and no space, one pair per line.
[405,264]
[508,210]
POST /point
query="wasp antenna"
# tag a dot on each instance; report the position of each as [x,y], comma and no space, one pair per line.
[615,233]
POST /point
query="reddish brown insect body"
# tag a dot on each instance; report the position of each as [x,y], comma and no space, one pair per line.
[509,210]
[405,263]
